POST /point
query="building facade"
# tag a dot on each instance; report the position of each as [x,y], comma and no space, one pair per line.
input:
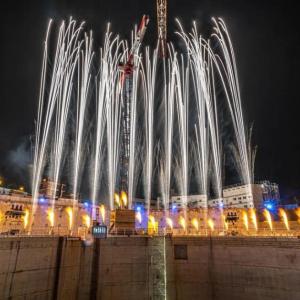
[191,201]
[67,216]
[263,194]
[260,195]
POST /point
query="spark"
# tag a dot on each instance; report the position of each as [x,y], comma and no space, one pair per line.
[50,216]
[169,222]
[152,220]
[117,199]
[102,212]
[124,199]
[284,217]
[86,220]
[224,222]
[268,217]
[138,216]
[26,218]
[182,222]
[253,218]
[211,224]
[245,219]
[195,223]
[298,214]
[69,211]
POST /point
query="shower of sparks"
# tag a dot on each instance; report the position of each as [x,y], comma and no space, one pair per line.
[171,147]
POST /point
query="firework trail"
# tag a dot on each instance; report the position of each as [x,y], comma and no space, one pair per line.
[68,56]
[227,70]
[54,107]
[105,74]
[149,81]
[41,135]
[169,102]
[84,79]
[201,56]
[182,73]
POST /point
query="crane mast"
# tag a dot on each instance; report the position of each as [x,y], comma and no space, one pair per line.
[161,6]
[127,70]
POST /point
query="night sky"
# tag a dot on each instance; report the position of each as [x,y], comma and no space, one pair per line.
[266,39]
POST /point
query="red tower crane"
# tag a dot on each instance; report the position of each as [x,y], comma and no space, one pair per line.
[161,6]
[128,66]
[126,85]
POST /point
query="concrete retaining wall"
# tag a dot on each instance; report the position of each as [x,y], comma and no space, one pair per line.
[238,268]
[42,268]
[123,268]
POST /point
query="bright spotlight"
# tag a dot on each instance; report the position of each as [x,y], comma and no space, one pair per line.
[42,200]
[269,206]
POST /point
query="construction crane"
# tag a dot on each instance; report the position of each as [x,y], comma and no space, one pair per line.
[127,70]
[161,6]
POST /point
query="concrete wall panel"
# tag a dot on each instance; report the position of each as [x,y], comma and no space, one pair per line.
[128,268]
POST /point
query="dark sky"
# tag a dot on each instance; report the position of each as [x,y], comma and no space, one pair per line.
[265,35]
